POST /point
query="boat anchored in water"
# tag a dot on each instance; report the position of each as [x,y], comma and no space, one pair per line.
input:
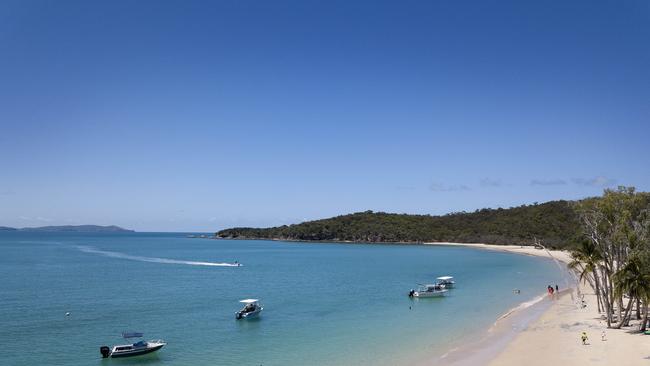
[435,290]
[252,309]
[446,281]
[134,349]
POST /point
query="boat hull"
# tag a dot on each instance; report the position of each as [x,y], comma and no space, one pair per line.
[429,294]
[250,315]
[137,351]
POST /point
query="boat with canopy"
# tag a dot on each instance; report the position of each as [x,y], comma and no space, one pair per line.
[446,281]
[134,349]
[433,290]
[252,309]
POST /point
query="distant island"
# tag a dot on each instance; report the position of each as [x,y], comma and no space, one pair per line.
[71,229]
[555,223]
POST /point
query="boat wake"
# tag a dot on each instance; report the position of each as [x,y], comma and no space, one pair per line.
[106,253]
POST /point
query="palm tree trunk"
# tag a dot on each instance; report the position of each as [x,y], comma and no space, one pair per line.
[598,297]
[619,309]
[608,308]
[628,311]
[645,316]
[608,299]
[638,309]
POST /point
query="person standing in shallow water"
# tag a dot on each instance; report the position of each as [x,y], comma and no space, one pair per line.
[550,290]
[556,288]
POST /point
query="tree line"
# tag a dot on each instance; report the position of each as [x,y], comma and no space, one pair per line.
[555,223]
[613,254]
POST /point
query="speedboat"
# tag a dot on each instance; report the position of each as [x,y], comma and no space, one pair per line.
[447,281]
[134,349]
[435,290]
[252,309]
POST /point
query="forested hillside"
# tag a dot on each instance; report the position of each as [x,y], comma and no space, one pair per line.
[554,223]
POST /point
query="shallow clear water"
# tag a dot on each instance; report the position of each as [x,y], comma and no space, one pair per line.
[325,304]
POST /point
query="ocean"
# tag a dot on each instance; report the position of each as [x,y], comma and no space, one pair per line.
[324,303]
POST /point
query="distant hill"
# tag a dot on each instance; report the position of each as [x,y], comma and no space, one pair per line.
[72,228]
[555,223]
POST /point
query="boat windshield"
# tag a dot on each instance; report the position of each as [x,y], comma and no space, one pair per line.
[140,344]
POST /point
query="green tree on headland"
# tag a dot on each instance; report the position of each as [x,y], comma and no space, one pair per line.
[555,223]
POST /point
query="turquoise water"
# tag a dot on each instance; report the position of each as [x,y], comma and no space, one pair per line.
[325,304]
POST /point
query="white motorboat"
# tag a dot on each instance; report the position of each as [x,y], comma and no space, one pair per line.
[252,309]
[434,290]
[446,281]
[133,349]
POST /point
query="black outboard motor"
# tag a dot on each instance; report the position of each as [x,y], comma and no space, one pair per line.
[238,315]
[105,351]
[411,293]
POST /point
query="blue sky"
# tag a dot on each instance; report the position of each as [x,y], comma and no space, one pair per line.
[201,115]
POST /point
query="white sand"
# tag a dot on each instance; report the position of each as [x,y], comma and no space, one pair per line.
[554,338]
[560,255]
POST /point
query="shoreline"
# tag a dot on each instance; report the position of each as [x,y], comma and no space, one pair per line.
[491,343]
[547,331]
[554,254]
[552,336]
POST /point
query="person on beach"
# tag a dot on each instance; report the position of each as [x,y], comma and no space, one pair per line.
[556,288]
[584,338]
[602,336]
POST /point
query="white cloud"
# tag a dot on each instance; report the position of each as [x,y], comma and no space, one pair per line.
[547,182]
[487,182]
[599,181]
[439,187]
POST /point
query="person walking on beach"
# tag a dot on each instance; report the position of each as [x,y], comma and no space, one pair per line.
[584,338]
[556,288]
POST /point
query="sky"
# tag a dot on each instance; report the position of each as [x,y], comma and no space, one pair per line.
[203,115]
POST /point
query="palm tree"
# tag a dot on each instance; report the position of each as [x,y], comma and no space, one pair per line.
[633,279]
[585,260]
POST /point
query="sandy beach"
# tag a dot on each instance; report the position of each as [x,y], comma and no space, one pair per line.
[554,337]
[560,255]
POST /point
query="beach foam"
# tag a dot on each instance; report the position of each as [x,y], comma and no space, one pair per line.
[522,306]
[106,253]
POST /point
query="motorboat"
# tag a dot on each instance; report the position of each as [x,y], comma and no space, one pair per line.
[446,281]
[134,349]
[252,309]
[434,290]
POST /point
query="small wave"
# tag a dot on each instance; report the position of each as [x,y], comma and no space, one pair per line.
[522,306]
[449,352]
[106,253]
